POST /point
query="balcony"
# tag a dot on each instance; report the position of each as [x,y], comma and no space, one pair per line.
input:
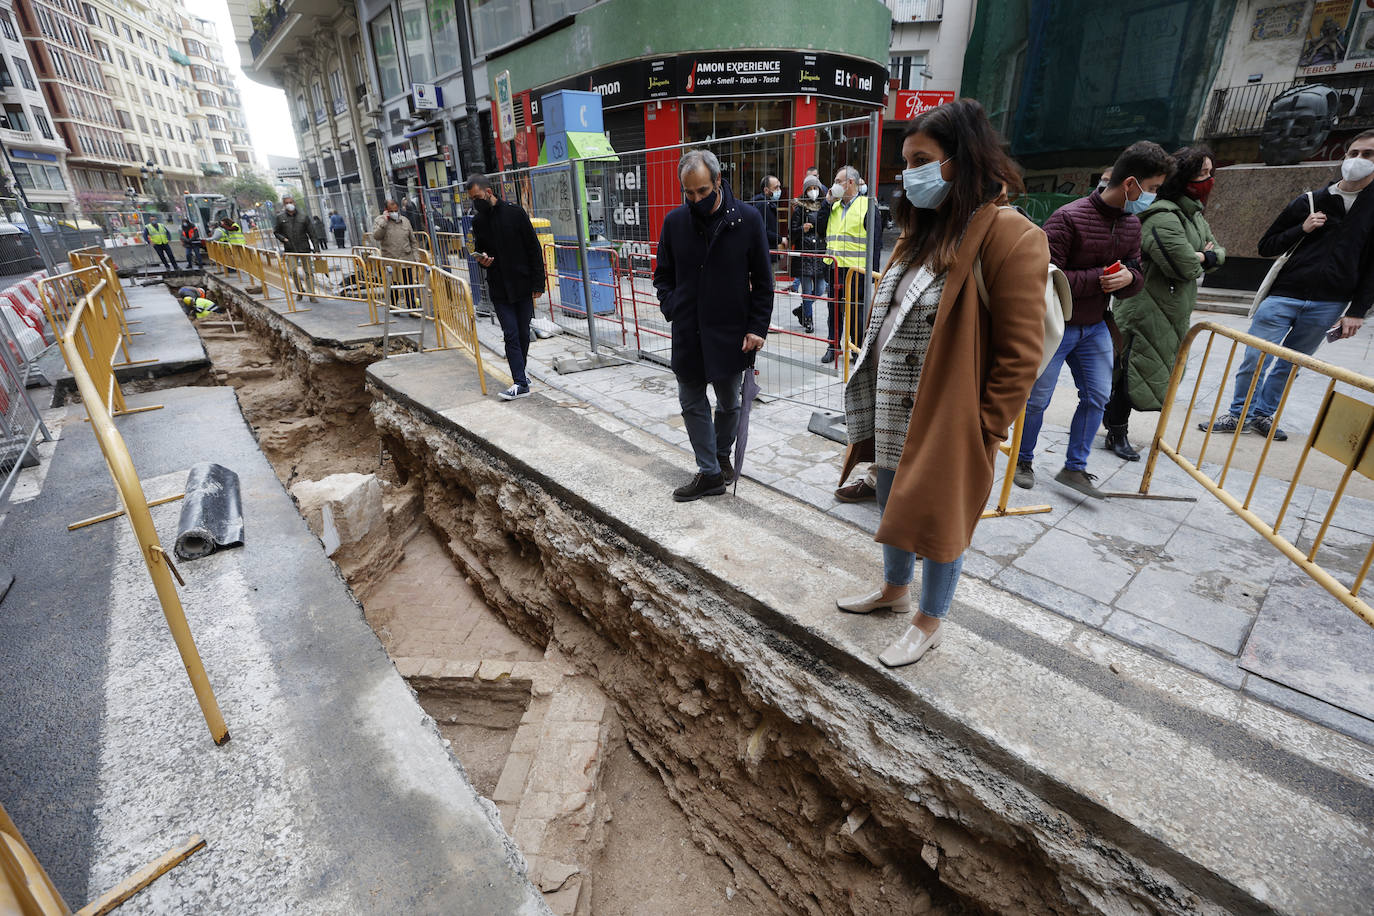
[917,10]
[265,25]
[1239,111]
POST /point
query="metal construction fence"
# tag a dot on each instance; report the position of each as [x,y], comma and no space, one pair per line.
[1342,430]
[407,298]
[598,219]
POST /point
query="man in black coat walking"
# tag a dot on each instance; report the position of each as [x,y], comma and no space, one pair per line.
[506,246]
[715,285]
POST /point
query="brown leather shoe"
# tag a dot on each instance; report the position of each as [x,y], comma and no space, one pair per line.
[858,492]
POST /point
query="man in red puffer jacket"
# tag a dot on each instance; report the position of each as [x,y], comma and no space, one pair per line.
[1096,242]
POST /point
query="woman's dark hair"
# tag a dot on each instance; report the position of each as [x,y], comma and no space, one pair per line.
[1187,164]
[983,174]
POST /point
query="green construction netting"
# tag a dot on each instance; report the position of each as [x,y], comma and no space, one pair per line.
[1058,75]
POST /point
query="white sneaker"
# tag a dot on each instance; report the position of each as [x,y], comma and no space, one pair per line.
[515,391]
[911,646]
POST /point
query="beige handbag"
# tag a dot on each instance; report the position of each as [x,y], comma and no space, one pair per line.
[1277,266]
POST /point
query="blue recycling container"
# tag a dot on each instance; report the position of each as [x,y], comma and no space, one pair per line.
[599,271]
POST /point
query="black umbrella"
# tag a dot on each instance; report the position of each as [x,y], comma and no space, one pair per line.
[747,395]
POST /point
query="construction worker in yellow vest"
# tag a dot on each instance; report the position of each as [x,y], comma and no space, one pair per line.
[848,244]
[156,234]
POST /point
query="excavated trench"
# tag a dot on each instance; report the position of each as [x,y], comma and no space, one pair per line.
[600,826]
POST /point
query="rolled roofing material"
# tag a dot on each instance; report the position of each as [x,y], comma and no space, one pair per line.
[211,512]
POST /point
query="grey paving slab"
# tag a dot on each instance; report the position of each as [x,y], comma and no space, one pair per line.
[1247,565]
[1186,651]
[1053,596]
[1088,566]
[1185,602]
[1313,645]
[1119,521]
[1310,708]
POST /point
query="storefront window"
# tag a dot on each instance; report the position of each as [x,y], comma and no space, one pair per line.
[388,60]
[725,129]
[846,144]
[443,30]
[419,58]
[495,23]
[549,11]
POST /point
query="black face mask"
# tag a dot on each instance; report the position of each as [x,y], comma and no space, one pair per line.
[702,208]
[481,204]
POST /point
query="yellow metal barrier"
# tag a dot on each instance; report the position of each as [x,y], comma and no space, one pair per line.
[1343,430]
[339,277]
[389,287]
[852,278]
[25,887]
[1011,450]
[84,344]
[61,294]
[455,320]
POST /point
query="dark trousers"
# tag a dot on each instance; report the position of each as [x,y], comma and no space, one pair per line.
[338,238]
[835,318]
[1118,409]
[195,256]
[164,253]
[515,318]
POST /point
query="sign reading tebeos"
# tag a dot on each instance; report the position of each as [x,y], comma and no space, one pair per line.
[912,102]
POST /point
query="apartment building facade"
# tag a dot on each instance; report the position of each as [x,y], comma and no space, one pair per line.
[36,157]
[142,120]
[313,51]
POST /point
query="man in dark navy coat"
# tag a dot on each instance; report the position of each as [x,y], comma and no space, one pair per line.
[715,285]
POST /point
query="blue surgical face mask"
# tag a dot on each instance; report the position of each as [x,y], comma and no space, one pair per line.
[777,195]
[1141,203]
[925,187]
[863,190]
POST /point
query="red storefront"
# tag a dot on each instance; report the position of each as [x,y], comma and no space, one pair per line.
[716,96]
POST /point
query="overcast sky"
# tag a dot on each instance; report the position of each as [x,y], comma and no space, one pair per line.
[269,120]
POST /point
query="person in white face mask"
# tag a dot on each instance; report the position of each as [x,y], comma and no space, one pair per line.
[809,214]
[1324,291]
[945,366]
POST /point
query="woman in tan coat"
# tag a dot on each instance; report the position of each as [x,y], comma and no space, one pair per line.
[943,374]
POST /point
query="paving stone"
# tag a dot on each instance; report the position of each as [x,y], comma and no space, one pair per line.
[1176,647]
[1086,566]
[1052,596]
[980,565]
[1248,564]
[1008,537]
[461,670]
[1357,727]
[526,740]
[1119,520]
[1180,601]
[864,515]
[511,785]
[408,667]
[1312,644]
[431,667]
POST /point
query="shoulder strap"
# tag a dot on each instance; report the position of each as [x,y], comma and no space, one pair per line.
[1311,204]
[978,279]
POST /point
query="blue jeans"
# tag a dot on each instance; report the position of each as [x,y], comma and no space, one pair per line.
[711,441]
[515,318]
[1299,325]
[899,566]
[810,287]
[1088,351]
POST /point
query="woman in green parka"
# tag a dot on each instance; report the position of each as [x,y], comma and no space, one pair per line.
[1178,248]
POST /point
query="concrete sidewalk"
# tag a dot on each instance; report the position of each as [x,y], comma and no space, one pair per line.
[1186,580]
[335,794]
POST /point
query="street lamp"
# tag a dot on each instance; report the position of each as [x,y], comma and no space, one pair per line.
[150,170]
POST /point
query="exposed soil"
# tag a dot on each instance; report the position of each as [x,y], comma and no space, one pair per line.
[645,858]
